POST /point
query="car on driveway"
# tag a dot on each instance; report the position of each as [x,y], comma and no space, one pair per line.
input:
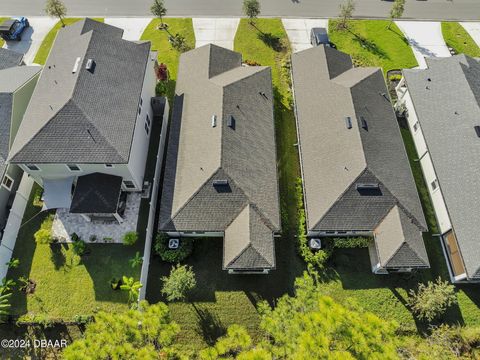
[12,29]
[319,36]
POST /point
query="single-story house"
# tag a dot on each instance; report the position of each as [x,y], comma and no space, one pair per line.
[356,175]
[16,87]
[442,106]
[221,168]
[85,134]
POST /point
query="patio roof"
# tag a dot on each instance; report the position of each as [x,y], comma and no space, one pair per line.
[96,194]
[57,193]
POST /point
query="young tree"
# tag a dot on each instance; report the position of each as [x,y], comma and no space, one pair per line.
[180,282]
[132,287]
[346,13]
[56,8]
[159,10]
[178,42]
[396,11]
[432,300]
[251,8]
[145,333]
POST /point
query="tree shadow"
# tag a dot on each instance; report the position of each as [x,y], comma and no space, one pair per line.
[370,46]
[272,41]
[57,255]
[209,325]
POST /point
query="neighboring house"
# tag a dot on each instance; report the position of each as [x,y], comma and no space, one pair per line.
[88,124]
[221,174]
[16,86]
[442,105]
[356,175]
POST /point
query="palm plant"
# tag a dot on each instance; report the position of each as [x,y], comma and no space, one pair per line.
[136,261]
[132,287]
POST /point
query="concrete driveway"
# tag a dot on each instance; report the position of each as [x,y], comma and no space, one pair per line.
[132,27]
[298,31]
[32,37]
[425,39]
[218,31]
[473,28]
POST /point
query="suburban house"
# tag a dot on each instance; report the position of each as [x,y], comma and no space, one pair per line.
[85,134]
[221,175]
[442,106]
[356,175]
[16,87]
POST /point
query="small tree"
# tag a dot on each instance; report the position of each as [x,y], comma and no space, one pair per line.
[136,261]
[130,238]
[180,282]
[346,13]
[56,8]
[132,287]
[251,8]
[159,10]
[432,300]
[43,236]
[178,42]
[396,11]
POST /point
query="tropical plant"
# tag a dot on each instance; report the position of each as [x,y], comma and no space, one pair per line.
[251,9]
[6,285]
[13,263]
[132,286]
[184,250]
[179,283]
[159,10]
[430,301]
[130,238]
[136,261]
[346,13]
[5,303]
[56,8]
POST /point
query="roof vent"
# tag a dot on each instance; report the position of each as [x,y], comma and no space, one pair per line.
[220,182]
[76,65]
[367,186]
[348,122]
[90,65]
[231,122]
[364,123]
[214,120]
[477,130]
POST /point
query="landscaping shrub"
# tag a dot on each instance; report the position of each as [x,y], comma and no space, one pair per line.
[161,88]
[44,234]
[79,247]
[183,251]
[395,77]
[130,238]
[252,62]
[179,283]
[351,242]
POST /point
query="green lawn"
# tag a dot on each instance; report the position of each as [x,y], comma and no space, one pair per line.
[2,19]
[219,299]
[44,49]
[370,43]
[458,39]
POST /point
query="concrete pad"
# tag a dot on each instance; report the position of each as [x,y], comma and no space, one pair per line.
[425,39]
[32,37]
[219,31]
[473,28]
[298,31]
[133,28]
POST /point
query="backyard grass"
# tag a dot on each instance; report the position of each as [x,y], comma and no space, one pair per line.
[44,49]
[2,19]
[458,39]
[370,43]
[219,299]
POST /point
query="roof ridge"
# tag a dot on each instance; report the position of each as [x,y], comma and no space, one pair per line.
[403,245]
[250,245]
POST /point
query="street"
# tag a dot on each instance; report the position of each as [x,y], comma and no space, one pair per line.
[415,9]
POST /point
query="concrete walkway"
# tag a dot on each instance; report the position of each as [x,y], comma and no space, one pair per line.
[132,27]
[425,38]
[32,37]
[218,31]
[298,31]
[473,28]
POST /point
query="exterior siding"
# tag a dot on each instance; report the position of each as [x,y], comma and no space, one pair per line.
[6,196]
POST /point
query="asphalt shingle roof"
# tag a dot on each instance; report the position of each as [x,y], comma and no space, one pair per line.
[9,58]
[446,97]
[212,83]
[86,116]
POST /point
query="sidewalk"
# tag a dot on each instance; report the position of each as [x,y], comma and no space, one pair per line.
[298,31]
[473,28]
[216,31]
[132,27]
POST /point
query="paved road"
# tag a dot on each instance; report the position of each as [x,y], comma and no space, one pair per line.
[415,9]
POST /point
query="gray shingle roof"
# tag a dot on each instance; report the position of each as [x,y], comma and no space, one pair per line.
[335,158]
[448,108]
[86,116]
[212,82]
[9,58]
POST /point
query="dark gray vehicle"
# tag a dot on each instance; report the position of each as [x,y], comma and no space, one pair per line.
[319,36]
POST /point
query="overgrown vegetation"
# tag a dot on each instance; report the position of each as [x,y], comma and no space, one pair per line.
[457,38]
[184,250]
[44,234]
[179,283]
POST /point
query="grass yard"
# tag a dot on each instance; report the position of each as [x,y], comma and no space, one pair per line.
[160,43]
[370,43]
[219,299]
[2,19]
[458,39]
[44,49]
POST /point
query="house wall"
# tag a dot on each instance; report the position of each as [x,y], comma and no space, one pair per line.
[139,150]
[6,196]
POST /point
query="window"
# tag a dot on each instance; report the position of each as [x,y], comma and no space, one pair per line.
[73,167]
[434,184]
[7,182]
[416,126]
[32,167]
[128,184]
[141,101]
[139,109]
[109,165]
[148,120]
[147,129]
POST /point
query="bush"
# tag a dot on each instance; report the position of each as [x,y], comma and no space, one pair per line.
[179,283]
[432,300]
[44,234]
[161,88]
[395,77]
[252,63]
[130,238]
[79,247]
[351,242]
[183,251]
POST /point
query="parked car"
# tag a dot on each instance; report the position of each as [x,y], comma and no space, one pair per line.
[319,36]
[12,29]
